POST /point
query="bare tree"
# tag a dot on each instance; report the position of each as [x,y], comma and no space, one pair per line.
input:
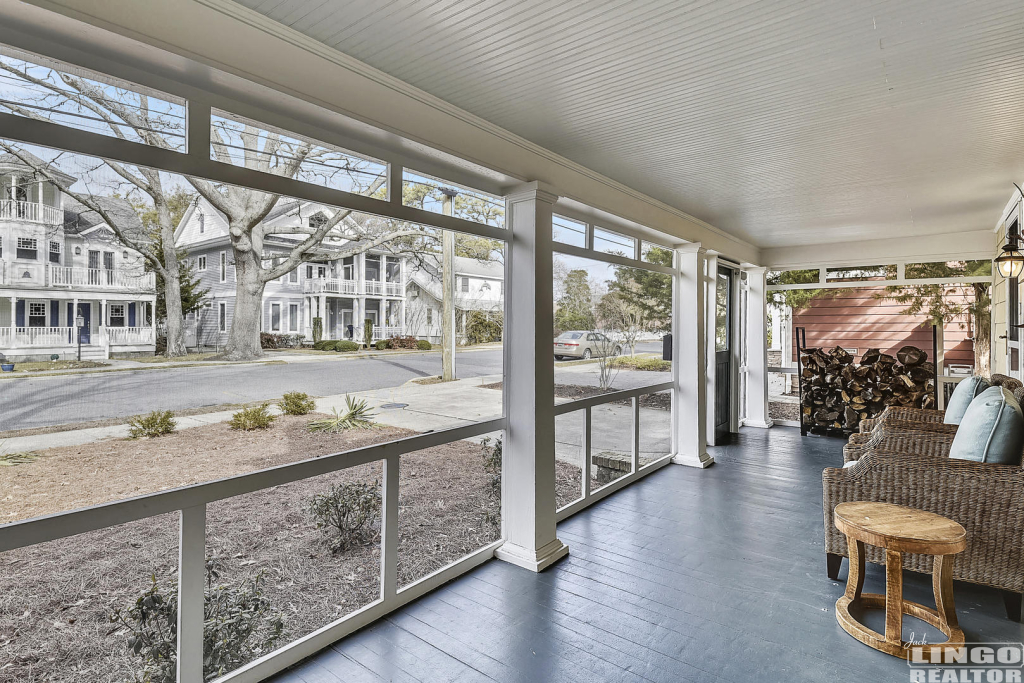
[120,114]
[619,314]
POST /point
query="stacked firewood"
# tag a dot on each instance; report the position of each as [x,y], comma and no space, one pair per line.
[837,393]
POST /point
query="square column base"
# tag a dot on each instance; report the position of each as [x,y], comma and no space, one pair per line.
[535,560]
[703,460]
[759,424]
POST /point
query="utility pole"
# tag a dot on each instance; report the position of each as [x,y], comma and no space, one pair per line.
[448,291]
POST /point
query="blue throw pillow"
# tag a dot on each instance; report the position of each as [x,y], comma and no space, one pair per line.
[992,430]
[963,394]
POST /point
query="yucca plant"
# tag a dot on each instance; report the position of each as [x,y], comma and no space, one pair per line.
[357,415]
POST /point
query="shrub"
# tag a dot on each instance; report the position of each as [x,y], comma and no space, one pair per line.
[423,345]
[647,363]
[402,342]
[296,403]
[357,415]
[318,329]
[156,423]
[368,332]
[238,626]
[350,513]
[492,469]
[280,341]
[323,344]
[346,345]
[252,417]
[382,345]
[482,327]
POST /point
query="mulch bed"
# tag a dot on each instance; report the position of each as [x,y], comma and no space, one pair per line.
[784,411]
[56,598]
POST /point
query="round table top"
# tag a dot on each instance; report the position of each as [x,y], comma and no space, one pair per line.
[896,527]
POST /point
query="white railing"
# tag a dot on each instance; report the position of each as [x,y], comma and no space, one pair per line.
[117,336]
[374,287]
[31,211]
[386,332]
[330,286]
[39,336]
[192,501]
[101,278]
[636,471]
[393,288]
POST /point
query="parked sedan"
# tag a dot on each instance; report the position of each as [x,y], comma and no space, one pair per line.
[581,344]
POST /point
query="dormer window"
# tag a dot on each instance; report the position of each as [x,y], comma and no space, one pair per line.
[28,248]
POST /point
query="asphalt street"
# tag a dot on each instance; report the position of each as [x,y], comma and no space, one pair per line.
[44,401]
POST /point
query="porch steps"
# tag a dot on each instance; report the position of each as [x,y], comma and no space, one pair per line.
[93,353]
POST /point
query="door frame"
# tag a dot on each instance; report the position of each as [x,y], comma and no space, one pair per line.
[87,314]
[722,424]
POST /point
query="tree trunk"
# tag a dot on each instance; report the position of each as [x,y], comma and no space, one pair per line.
[244,337]
[982,331]
[172,285]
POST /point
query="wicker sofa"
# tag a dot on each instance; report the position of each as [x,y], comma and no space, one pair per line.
[912,468]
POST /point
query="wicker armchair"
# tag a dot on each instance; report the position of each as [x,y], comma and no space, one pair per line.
[914,470]
[858,443]
[900,413]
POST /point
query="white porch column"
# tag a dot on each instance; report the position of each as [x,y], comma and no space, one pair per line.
[14,320]
[689,366]
[757,349]
[711,310]
[528,484]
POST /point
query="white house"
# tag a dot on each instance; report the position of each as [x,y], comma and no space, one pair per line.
[343,291]
[60,260]
[479,286]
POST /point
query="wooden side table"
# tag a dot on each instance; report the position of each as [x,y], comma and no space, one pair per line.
[899,530]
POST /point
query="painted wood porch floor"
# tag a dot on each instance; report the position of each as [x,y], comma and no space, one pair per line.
[688,575]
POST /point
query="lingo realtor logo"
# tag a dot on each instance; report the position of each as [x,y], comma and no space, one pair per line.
[968,663]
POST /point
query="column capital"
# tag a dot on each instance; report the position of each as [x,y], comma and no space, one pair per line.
[537,190]
[691,248]
[756,269]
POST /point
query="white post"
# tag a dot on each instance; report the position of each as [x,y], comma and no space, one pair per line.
[528,484]
[14,317]
[191,593]
[711,306]
[689,366]
[757,349]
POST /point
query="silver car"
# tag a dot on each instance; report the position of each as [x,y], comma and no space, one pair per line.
[582,344]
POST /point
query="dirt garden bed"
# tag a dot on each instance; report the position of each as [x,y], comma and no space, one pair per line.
[575,392]
[56,598]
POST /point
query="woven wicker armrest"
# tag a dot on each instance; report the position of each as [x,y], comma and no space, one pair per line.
[899,425]
[987,499]
[922,441]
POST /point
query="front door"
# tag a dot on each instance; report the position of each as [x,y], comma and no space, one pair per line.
[723,353]
[346,324]
[85,310]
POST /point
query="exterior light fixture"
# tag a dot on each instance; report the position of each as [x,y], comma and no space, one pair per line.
[1010,263]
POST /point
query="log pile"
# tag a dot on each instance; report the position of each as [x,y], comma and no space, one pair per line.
[837,393]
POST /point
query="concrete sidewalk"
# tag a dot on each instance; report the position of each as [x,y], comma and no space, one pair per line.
[430,407]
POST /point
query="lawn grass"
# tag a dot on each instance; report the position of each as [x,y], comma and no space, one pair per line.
[44,365]
[188,358]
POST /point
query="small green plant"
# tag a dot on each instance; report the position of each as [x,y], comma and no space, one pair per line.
[423,345]
[18,458]
[238,626]
[152,425]
[348,513]
[346,345]
[296,403]
[382,345]
[357,415]
[252,417]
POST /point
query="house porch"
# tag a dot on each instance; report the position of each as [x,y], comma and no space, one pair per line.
[687,575]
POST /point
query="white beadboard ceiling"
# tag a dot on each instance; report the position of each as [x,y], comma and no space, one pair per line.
[783,122]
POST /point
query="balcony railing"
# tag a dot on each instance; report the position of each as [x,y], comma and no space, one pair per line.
[330,286]
[374,287]
[31,212]
[393,288]
[101,278]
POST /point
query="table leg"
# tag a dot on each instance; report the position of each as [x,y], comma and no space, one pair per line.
[894,597]
[855,578]
[942,585]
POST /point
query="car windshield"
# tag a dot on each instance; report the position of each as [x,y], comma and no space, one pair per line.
[571,335]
